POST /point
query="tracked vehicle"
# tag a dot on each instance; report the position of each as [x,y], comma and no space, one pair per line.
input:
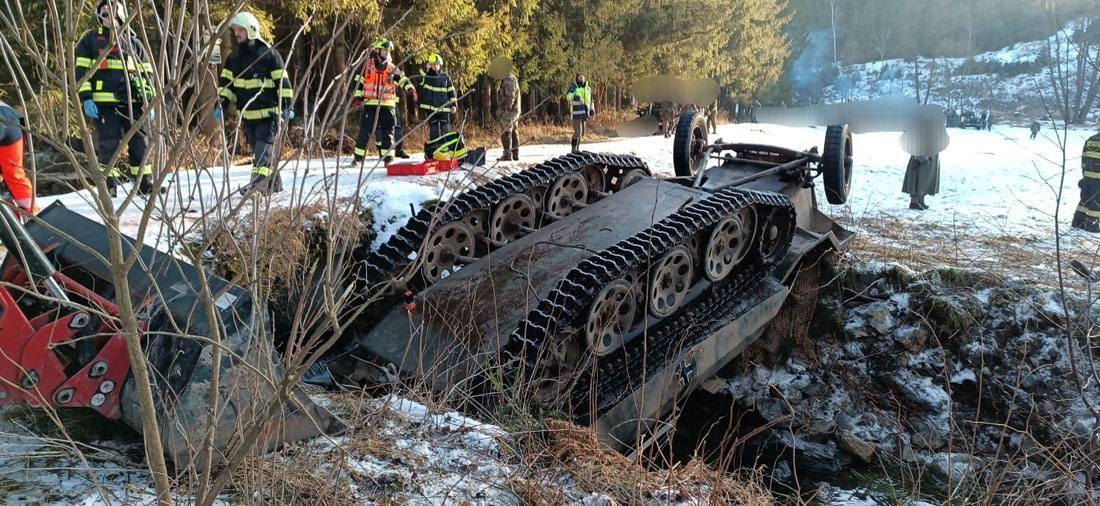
[585,284]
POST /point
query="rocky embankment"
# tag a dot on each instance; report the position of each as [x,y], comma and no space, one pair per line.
[943,384]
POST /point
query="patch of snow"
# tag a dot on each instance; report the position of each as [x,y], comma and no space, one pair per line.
[963,375]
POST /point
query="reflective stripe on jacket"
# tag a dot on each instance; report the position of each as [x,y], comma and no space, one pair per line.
[255,79]
[123,75]
[581,99]
[378,87]
[437,91]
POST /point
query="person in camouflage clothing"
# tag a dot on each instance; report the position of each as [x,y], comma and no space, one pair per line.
[508,116]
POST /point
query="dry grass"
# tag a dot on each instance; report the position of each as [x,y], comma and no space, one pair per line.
[935,245]
[283,241]
[595,468]
[294,477]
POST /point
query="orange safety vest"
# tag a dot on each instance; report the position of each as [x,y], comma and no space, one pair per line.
[377,87]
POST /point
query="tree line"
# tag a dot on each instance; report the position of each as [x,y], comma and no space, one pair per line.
[742,44]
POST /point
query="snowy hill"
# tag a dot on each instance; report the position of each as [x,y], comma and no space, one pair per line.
[1013,81]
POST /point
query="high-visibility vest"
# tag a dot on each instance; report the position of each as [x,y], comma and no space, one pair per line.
[581,98]
[378,87]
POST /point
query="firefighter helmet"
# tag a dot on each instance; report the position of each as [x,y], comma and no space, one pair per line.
[382,43]
[249,22]
[435,59]
[118,7]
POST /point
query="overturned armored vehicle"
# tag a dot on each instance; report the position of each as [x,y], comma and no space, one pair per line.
[588,286]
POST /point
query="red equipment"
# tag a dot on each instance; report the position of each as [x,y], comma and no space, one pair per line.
[421,168]
[60,343]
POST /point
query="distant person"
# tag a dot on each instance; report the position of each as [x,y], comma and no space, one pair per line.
[712,117]
[989,121]
[922,177]
[1087,217]
[753,107]
[580,96]
[254,79]
[438,101]
[115,93]
[376,96]
[11,158]
[1035,126]
[510,103]
[667,118]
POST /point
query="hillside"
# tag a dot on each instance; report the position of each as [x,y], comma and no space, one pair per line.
[1013,82]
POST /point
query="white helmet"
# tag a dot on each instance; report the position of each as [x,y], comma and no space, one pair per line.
[117,7]
[249,22]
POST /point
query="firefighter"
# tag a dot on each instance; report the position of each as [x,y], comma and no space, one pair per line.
[254,79]
[403,83]
[11,159]
[376,94]
[510,111]
[115,90]
[1087,217]
[438,101]
[580,97]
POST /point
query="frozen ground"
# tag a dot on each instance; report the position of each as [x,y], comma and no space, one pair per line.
[997,203]
[996,206]
[1012,92]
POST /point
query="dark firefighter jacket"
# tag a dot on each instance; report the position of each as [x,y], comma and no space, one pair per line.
[437,92]
[255,79]
[123,75]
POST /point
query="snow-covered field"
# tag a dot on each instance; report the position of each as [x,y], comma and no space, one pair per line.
[998,190]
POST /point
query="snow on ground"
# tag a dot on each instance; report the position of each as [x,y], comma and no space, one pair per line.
[1012,92]
[998,192]
[994,184]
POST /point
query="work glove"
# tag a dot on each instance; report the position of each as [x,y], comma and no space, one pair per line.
[218,115]
[90,109]
[356,104]
[288,114]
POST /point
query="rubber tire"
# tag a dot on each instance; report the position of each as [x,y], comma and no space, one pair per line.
[836,164]
[690,122]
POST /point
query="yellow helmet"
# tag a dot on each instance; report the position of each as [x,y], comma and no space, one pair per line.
[435,59]
[382,43]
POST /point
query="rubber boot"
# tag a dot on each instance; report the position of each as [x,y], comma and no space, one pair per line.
[506,143]
[145,184]
[575,145]
[515,146]
[400,151]
[112,186]
[1084,222]
[265,185]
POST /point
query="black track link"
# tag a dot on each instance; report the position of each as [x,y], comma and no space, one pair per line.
[395,254]
[566,307]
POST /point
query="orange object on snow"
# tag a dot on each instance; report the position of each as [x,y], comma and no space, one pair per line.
[11,167]
[421,168]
